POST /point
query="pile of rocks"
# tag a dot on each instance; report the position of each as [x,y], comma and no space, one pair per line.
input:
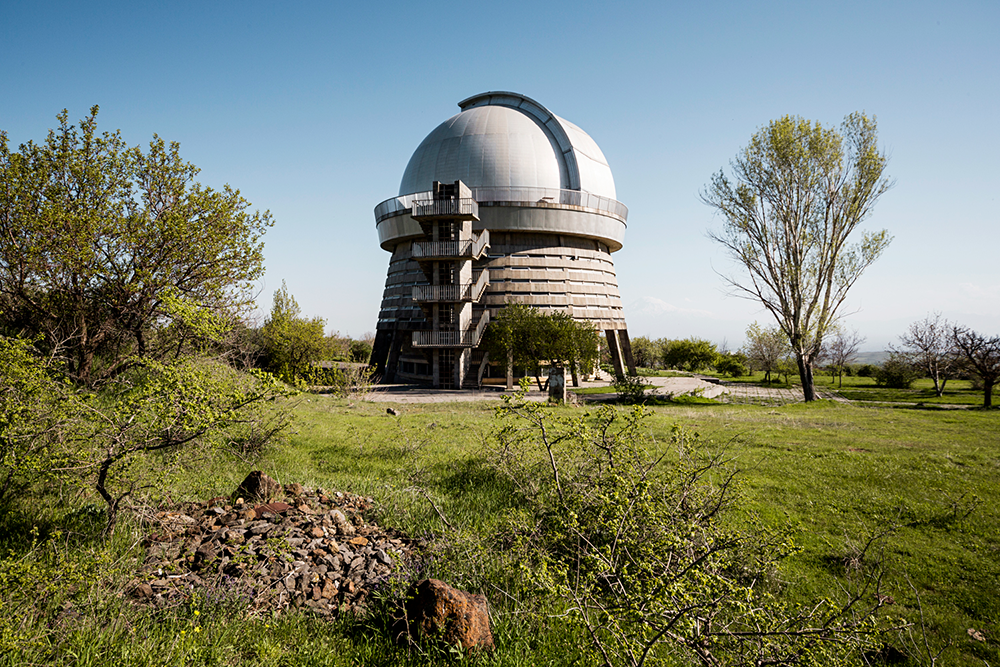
[270,547]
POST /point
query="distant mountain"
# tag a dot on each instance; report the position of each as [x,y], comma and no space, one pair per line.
[873,357]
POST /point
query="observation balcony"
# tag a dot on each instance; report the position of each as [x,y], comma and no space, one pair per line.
[472,291]
[528,197]
[438,209]
[450,250]
[465,338]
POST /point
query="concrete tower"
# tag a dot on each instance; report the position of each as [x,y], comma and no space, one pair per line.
[503,202]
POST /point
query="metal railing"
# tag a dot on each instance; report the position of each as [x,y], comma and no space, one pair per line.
[471,291]
[451,249]
[551,197]
[464,338]
[509,196]
[451,208]
[480,243]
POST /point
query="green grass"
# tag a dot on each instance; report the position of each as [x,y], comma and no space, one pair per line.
[834,472]
[956,392]
[854,388]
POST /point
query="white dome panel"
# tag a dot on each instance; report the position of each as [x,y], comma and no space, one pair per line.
[488,146]
[506,140]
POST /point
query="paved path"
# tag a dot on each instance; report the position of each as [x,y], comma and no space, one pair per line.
[726,392]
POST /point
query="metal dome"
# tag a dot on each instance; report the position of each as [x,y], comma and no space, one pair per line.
[507,140]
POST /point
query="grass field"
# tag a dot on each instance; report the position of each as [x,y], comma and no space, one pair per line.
[862,389]
[835,473]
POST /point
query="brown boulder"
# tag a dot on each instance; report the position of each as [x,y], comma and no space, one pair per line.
[258,486]
[270,508]
[435,609]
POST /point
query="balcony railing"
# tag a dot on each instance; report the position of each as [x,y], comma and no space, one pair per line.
[464,338]
[472,249]
[444,208]
[508,196]
[471,291]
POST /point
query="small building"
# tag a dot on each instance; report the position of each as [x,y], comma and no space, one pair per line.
[504,202]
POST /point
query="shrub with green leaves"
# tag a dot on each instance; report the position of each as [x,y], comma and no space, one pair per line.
[690,354]
[732,364]
[135,428]
[867,371]
[642,549]
[897,372]
[630,388]
[32,412]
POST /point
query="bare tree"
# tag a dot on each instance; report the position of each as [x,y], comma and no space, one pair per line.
[929,343]
[798,193]
[842,349]
[981,355]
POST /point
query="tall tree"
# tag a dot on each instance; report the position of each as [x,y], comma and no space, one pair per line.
[798,193]
[292,343]
[647,352]
[929,344]
[524,337]
[93,233]
[842,349]
[981,355]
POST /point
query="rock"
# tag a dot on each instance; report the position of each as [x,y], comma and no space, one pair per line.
[435,609]
[293,489]
[258,486]
[270,508]
[344,526]
[141,591]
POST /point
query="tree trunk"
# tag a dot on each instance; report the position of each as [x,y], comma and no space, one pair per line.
[988,394]
[806,376]
[510,369]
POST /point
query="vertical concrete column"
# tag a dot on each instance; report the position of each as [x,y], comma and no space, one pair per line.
[380,351]
[616,353]
[394,348]
[626,346]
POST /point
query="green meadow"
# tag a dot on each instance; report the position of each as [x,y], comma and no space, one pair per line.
[920,482]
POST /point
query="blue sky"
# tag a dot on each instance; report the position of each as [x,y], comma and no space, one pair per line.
[312,110]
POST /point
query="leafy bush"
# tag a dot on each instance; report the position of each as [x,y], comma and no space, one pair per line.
[341,379]
[638,548]
[897,372]
[630,389]
[32,414]
[135,428]
[733,364]
[360,351]
[867,371]
[690,354]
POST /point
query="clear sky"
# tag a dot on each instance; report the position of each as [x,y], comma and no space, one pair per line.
[312,110]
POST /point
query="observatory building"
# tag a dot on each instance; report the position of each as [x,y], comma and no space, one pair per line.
[504,202]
